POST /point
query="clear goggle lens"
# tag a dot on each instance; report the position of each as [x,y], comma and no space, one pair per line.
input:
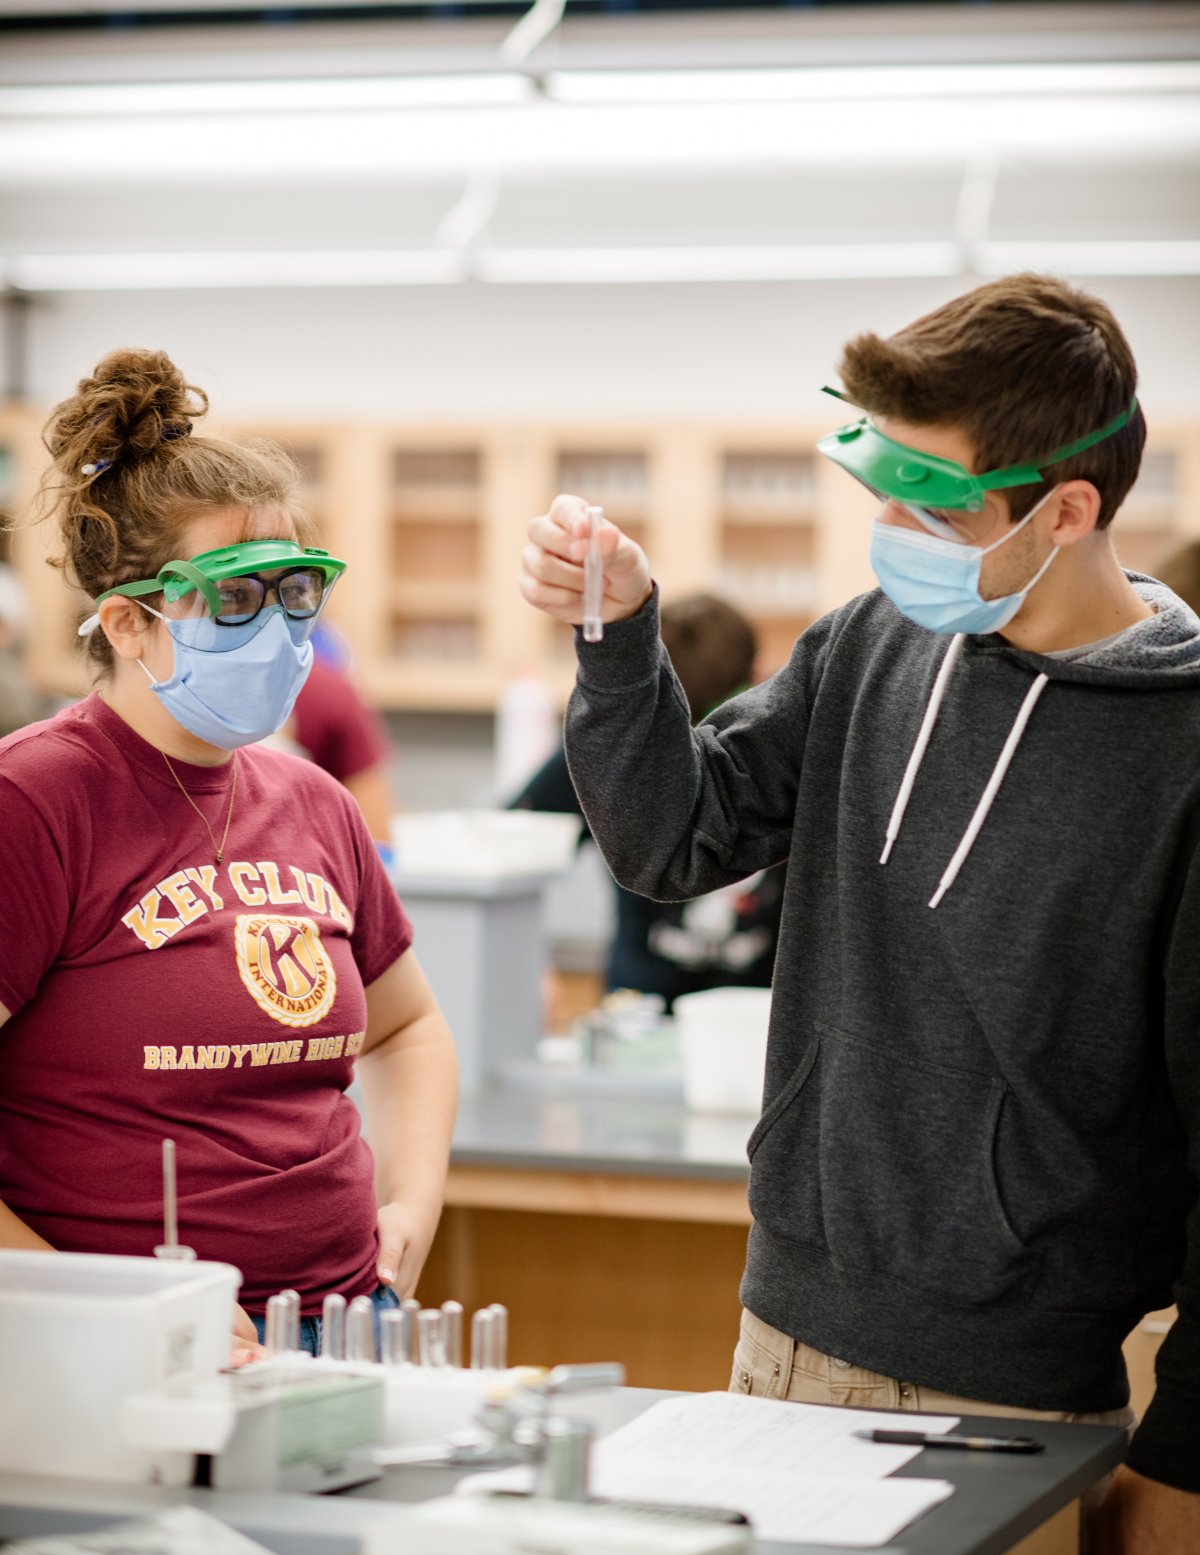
[301,593]
[955,524]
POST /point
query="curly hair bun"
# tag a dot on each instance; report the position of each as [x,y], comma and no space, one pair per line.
[133,403]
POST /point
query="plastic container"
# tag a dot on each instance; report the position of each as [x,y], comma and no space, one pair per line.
[487,844]
[78,1332]
[723,1045]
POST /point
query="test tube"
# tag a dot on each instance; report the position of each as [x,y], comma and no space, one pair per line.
[291,1332]
[410,1308]
[275,1337]
[593,580]
[481,1339]
[431,1346]
[392,1349]
[333,1327]
[452,1332]
[499,1335]
[360,1330]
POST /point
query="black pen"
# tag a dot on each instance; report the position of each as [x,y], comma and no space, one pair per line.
[966,1443]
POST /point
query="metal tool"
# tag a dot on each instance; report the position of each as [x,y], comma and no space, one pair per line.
[171,1246]
[593,580]
[564,1465]
[513,1429]
[360,1330]
[333,1327]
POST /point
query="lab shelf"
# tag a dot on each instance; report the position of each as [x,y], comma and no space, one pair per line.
[432,519]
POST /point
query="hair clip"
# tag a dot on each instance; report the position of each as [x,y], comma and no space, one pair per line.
[97,467]
[171,433]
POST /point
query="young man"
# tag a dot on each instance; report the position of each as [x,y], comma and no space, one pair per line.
[980,1141]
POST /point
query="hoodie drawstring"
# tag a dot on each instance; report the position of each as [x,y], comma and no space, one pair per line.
[924,736]
[918,751]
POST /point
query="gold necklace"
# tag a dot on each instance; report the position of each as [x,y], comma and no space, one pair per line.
[219,851]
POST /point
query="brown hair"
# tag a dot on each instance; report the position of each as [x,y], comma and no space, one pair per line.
[711,646]
[1022,365]
[128,476]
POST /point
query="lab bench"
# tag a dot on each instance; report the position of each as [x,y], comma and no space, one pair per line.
[998,1499]
[612,1226]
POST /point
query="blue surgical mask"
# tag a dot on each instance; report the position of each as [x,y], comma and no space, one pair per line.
[936,582]
[241,693]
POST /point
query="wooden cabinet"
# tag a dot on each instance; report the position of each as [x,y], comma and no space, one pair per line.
[432,520]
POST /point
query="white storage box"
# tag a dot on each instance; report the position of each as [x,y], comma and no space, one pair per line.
[484,843]
[723,1044]
[78,1332]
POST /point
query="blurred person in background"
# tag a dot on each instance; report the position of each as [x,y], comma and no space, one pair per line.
[1180,571]
[21,702]
[725,938]
[332,725]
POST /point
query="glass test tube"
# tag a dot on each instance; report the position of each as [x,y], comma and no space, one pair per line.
[431,1345]
[409,1309]
[452,1332]
[333,1327]
[392,1350]
[291,1333]
[360,1330]
[482,1323]
[593,580]
[275,1337]
[499,1335]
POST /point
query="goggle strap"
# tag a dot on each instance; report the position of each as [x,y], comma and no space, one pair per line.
[1090,440]
[195,577]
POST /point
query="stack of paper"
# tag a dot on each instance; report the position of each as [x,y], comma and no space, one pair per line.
[797,1471]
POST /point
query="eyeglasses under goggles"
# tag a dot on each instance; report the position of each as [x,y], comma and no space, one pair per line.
[230,586]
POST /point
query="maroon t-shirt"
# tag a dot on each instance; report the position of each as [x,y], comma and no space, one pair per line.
[155,993]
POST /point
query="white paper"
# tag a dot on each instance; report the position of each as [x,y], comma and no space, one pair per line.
[796,1470]
[180,1530]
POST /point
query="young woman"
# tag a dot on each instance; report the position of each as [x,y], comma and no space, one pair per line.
[197,938]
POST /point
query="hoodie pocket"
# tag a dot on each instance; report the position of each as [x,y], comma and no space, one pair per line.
[906,1183]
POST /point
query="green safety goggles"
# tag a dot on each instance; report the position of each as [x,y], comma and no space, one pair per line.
[230,586]
[938,492]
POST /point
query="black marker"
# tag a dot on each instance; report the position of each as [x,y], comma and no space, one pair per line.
[966,1443]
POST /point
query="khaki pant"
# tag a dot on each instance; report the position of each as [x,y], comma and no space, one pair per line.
[767,1364]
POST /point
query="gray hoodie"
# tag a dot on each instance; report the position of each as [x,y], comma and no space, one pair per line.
[977,1162]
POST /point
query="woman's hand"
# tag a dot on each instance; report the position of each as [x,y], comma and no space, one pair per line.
[244,1343]
[552,565]
[405,1237]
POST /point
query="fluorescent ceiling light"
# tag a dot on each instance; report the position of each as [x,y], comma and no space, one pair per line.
[138,99]
[202,271]
[590,266]
[816,261]
[876,82]
[636,141]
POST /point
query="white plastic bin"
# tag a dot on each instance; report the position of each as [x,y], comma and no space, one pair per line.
[723,1044]
[484,844]
[79,1331]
